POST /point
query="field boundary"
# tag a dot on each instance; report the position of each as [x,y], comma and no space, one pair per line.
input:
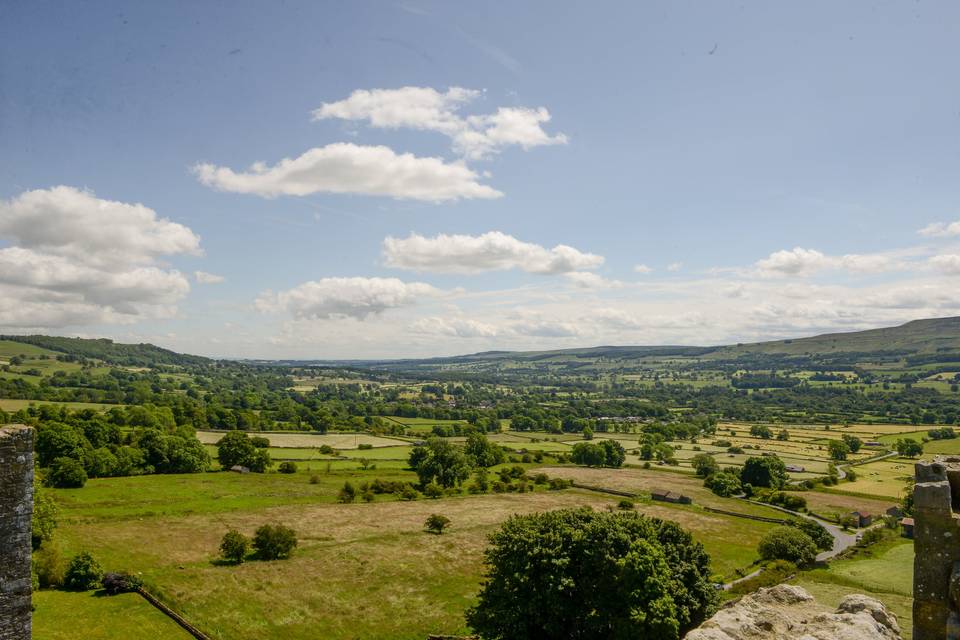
[173,615]
[746,515]
[614,492]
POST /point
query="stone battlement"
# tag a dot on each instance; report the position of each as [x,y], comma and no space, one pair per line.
[936,537]
[16,510]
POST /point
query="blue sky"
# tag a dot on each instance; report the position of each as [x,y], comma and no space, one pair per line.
[470,176]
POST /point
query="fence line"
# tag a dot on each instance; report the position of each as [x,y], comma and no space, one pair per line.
[746,515]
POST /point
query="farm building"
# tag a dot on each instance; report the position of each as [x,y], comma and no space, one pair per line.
[795,468]
[907,525]
[863,518]
[895,512]
[872,443]
[662,495]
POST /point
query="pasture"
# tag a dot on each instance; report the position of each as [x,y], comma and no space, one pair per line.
[885,478]
[299,440]
[61,615]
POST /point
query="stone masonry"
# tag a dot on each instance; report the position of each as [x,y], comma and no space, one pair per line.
[936,538]
[16,509]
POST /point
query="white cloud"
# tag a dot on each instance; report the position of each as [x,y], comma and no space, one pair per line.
[455,327]
[941,229]
[354,169]
[203,277]
[77,260]
[588,280]
[492,251]
[642,268]
[949,263]
[426,109]
[359,298]
[803,262]
[675,266]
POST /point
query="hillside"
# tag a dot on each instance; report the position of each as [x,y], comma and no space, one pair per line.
[132,355]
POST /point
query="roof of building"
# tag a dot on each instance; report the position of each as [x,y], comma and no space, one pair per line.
[907,522]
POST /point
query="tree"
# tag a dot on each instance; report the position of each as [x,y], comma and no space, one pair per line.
[761,431]
[614,454]
[705,464]
[44,519]
[83,573]
[908,447]
[590,575]
[482,452]
[764,471]
[274,541]
[440,461]
[853,442]
[820,536]
[587,433]
[66,473]
[783,435]
[236,449]
[788,543]
[57,440]
[838,449]
[234,546]
[589,454]
[436,523]
[724,483]
[348,493]
[287,466]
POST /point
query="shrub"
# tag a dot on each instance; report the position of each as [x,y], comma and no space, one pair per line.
[433,490]
[365,446]
[234,546]
[44,519]
[287,466]
[274,541]
[557,484]
[66,473]
[436,523]
[367,495]
[348,493]
[872,536]
[625,505]
[83,573]
[541,478]
[788,543]
[612,566]
[820,536]
[314,478]
[409,494]
[326,450]
[723,484]
[117,583]
[774,573]
[50,565]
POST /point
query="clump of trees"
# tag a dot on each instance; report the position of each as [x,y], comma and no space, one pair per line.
[788,543]
[605,453]
[588,575]
[440,461]
[236,448]
[908,447]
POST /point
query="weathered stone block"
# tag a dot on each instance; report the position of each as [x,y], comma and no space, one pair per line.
[16,510]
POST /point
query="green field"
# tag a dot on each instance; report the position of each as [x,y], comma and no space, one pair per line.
[16,405]
[66,615]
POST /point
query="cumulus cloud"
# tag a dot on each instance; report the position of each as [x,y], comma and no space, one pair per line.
[77,260]
[455,327]
[426,109]
[949,263]
[352,169]
[492,251]
[642,268]
[802,262]
[203,277]
[588,280]
[675,266]
[330,298]
[941,229]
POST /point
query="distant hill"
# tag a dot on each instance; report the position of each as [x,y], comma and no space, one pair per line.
[131,355]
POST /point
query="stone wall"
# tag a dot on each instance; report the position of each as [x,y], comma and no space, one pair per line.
[936,539]
[16,509]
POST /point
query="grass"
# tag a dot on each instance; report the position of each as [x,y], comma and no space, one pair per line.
[884,478]
[61,615]
[16,405]
[309,440]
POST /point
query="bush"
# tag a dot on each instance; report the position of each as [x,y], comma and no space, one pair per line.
[433,490]
[723,484]
[365,446]
[820,536]
[314,478]
[50,565]
[872,536]
[612,566]
[557,484]
[436,523]
[788,543]
[44,519]
[234,546]
[409,494]
[287,466]
[348,493]
[274,541]
[625,505]
[367,495]
[117,583]
[773,574]
[541,478]
[83,573]
[66,473]
[326,450]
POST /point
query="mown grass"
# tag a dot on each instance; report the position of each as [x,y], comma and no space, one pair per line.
[65,615]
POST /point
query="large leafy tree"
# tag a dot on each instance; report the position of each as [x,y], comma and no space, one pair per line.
[764,471]
[589,575]
[440,461]
[482,452]
[235,448]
